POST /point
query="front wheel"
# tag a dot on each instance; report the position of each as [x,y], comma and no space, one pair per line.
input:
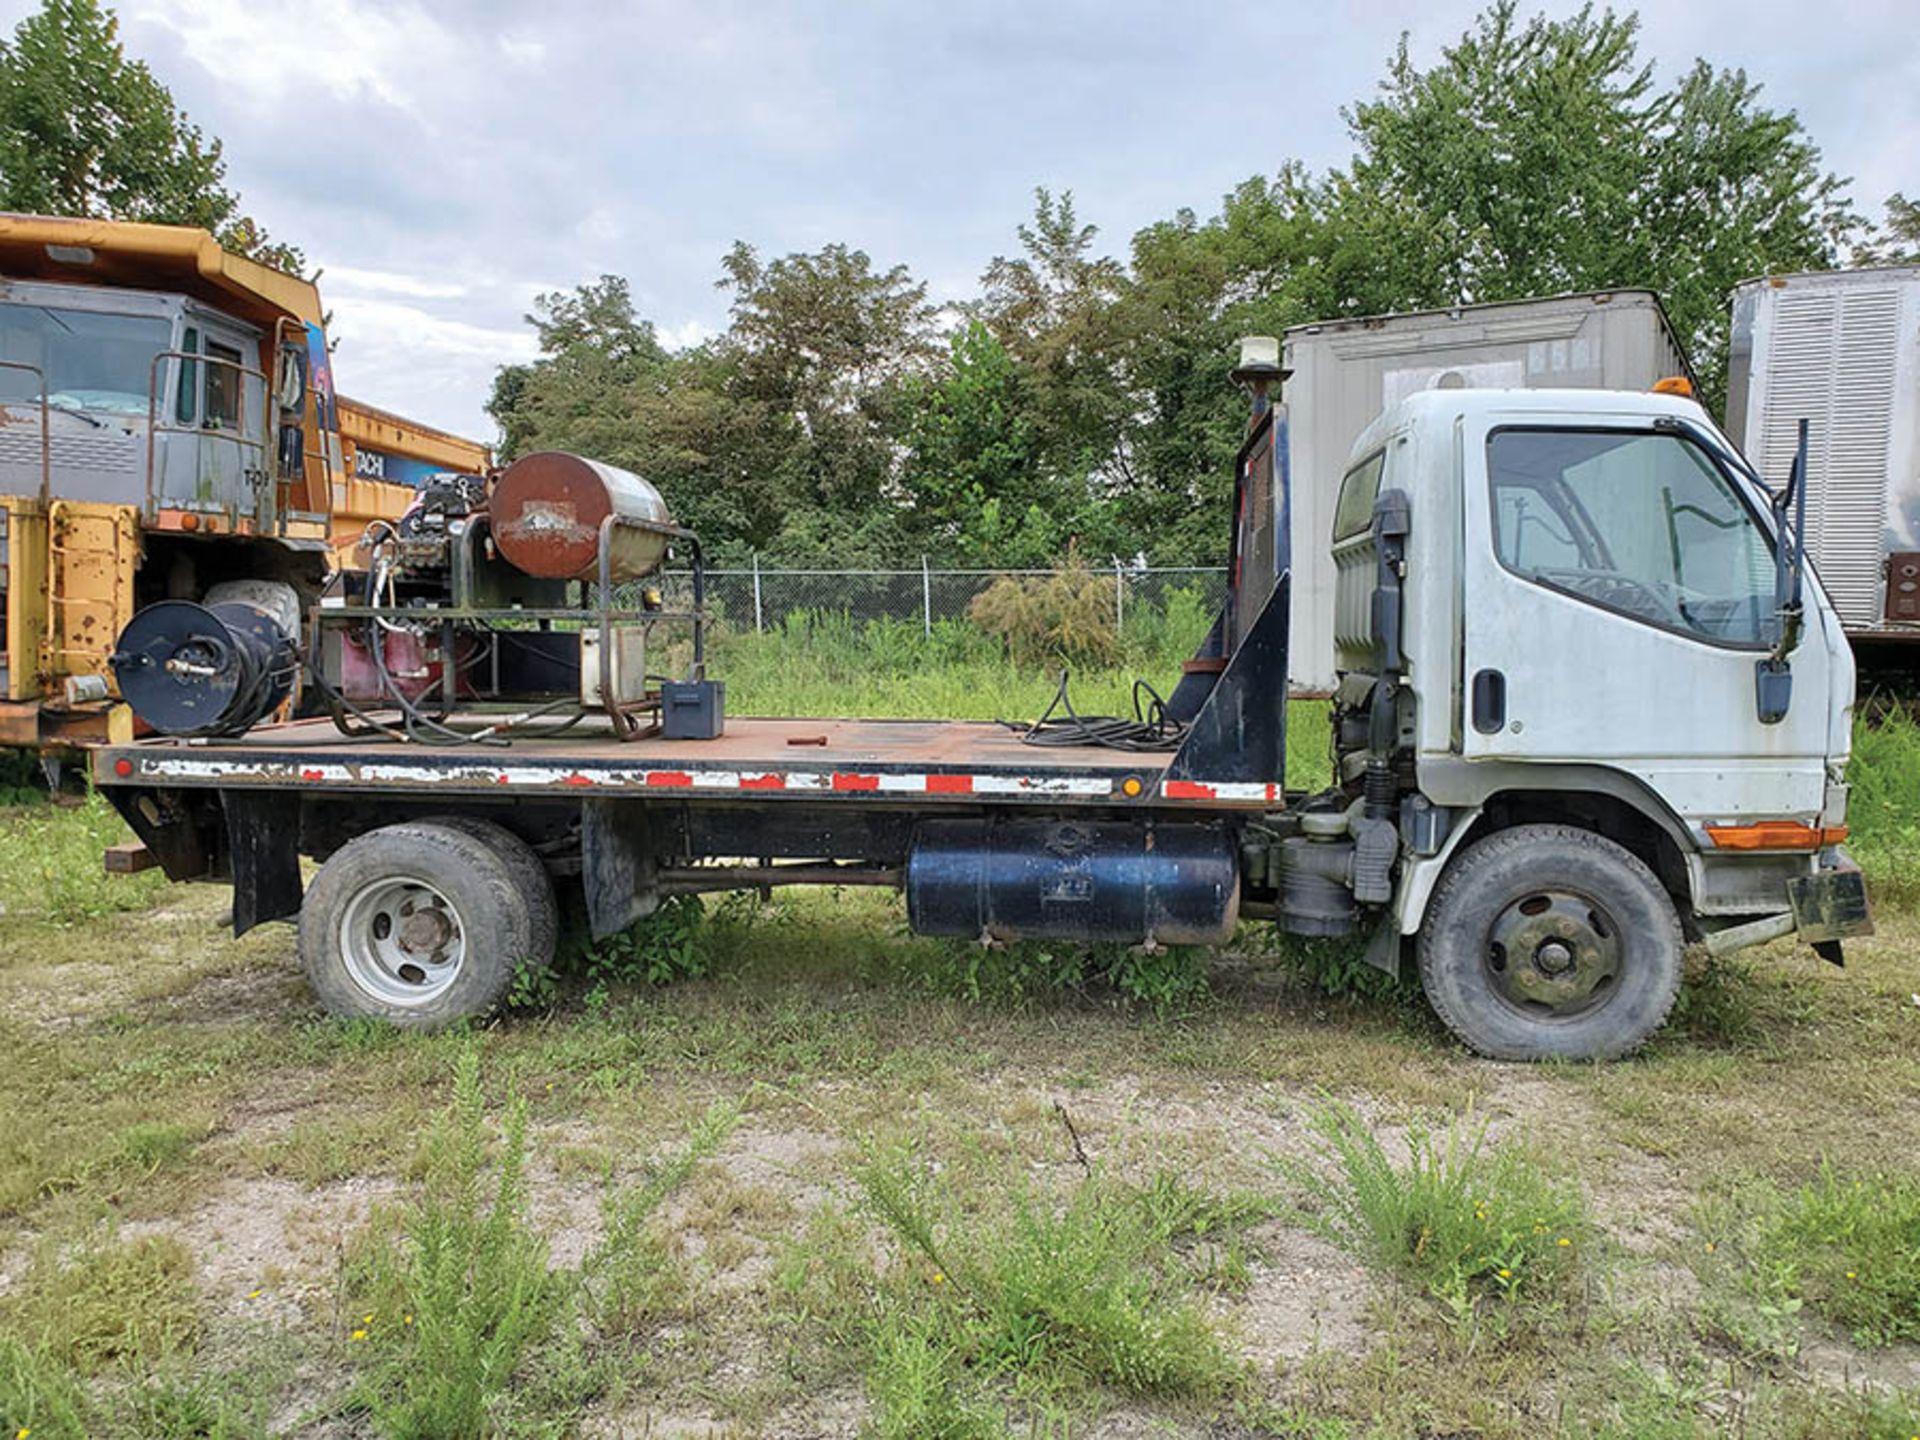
[1546,942]
[420,924]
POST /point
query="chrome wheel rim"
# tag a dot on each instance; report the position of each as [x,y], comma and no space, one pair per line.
[402,941]
[1554,954]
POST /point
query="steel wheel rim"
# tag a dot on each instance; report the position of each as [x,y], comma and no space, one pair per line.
[402,941]
[1554,954]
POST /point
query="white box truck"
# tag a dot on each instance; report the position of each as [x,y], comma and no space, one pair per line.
[1344,373]
[1841,349]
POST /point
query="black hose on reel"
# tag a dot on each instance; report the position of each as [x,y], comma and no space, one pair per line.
[204,670]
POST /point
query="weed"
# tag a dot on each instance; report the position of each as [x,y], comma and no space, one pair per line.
[110,1301]
[1883,808]
[1339,967]
[914,1380]
[451,1308]
[1476,1226]
[1065,614]
[1850,1248]
[1165,980]
[668,945]
[1056,1295]
[628,1278]
[39,1395]
[179,1407]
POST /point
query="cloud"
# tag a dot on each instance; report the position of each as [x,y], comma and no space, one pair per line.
[386,282]
[446,160]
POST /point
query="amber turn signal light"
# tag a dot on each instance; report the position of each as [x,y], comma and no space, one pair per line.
[1776,835]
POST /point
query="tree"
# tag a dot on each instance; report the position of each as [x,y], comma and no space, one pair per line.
[1053,309]
[86,131]
[973,477]
[823,348]
[1898,241]
[1542,157]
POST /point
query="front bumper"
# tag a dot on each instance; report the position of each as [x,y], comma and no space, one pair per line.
[1824,906]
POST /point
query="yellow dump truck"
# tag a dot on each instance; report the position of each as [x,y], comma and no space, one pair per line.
[169,429]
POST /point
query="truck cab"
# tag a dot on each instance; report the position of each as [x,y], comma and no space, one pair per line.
[1565,679]
[121,387]
[169,431]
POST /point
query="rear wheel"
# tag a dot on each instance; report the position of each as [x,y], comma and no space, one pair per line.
[543,910]
[420,924]
[1547,942]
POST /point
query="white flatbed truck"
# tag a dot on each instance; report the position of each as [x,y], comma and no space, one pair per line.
[1592,707]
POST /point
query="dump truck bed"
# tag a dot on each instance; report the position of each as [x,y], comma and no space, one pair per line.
[915,761]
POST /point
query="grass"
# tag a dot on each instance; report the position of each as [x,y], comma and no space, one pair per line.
[109,1302]
[1047,1295]
[1847,1246]
[50,865]
[1481,1228]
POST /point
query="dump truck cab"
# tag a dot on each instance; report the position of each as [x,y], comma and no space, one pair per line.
[1562,614]
[169,430]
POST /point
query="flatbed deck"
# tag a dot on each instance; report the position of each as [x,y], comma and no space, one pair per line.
[919,760]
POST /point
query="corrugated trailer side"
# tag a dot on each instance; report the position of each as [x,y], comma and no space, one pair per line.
[1345,372]
[1840,349]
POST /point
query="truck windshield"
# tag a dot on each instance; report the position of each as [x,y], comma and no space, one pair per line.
[1645,524]
[92,362]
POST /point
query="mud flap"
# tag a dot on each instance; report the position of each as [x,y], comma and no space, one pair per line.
[617,865]
[1384,949]
[1829,906]
[263,849]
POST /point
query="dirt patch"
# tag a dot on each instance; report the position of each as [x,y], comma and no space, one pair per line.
[1826,1360]
[1306,1295]
[270,1250]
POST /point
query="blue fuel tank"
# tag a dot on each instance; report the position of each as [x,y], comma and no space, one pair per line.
[1134,881]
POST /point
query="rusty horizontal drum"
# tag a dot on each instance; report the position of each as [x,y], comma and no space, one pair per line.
[547,512]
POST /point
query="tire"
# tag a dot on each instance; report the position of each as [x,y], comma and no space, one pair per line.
[529,873]
[1545,942]
[418,923]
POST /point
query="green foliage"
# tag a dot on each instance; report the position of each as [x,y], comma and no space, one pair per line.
[1167,980]
[1338,966]
[1898,241]
[1055,1295]
[1883,808]
[1849,1246]
[452,1307]
[86,131]
[51,865]
[108,1302]
[1482,1229]
[628,1276]
[20,778]
[667,945]
[979,490]
[39,1395]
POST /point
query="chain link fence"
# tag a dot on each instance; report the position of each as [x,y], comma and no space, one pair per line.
[761,598]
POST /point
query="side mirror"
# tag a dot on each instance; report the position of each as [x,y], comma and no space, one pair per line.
[1773,676]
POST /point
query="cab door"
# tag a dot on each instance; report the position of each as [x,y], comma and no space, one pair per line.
[1618,591]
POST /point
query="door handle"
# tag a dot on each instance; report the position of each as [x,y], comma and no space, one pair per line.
[1489,701]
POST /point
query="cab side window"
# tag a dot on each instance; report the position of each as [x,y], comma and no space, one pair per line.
[1646,524]
[1353,511]
[223,388]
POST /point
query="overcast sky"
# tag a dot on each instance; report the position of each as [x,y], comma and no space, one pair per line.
[445,162]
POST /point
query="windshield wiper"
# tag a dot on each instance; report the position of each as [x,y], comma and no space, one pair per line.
[93,420]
